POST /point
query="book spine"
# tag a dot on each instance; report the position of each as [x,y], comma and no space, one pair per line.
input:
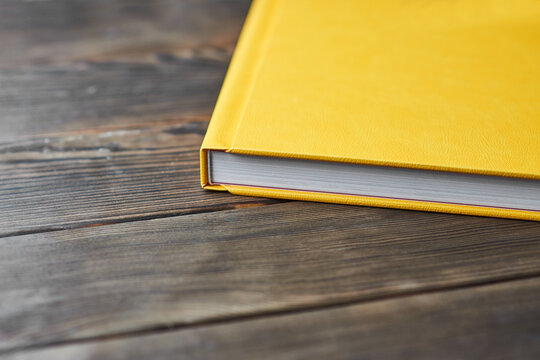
[237,85]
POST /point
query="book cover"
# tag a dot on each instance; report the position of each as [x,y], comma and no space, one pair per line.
[448,85]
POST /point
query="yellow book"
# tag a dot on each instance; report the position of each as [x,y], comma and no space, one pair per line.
[424,105]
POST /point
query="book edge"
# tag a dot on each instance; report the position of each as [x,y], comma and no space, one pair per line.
[383,203]
[237,85]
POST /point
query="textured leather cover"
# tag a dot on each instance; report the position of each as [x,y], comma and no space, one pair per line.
[441,85]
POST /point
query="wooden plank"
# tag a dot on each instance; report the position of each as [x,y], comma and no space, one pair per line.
[97,281]
[71,65]
[111,135]
[103,176]
[62,31]
[142,65]
[110,95]
[499,321]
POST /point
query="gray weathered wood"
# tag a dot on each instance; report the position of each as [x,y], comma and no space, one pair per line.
[103,176]
[104,106]
[499,321]
[62,31]
[77,97]
[95,281]
[67,65]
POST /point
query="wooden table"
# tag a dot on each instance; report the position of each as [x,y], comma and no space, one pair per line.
[110,248]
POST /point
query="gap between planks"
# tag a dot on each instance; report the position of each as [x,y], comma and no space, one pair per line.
[231,206]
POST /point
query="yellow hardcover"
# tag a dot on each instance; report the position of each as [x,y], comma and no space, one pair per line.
[441,85]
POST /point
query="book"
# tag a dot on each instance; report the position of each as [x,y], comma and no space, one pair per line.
[417,105]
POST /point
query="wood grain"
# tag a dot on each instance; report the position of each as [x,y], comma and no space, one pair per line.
[104,176]
[499,321]
[104,106]
[48,100]
[153,274]
[62,31]
[103,122]
[67,65]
